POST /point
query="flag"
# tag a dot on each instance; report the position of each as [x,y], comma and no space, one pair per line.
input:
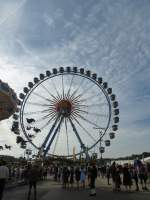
[74,153]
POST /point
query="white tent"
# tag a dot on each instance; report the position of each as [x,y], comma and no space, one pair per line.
[122,162]
[146,160]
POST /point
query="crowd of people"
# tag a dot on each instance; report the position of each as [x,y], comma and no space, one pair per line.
[137,174]
[77,176]
[129,177]
[30,174]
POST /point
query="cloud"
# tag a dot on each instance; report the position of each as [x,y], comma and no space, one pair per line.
[10,11]
[107,37]
[48,20]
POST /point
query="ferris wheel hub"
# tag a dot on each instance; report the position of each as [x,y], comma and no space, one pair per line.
[64,107]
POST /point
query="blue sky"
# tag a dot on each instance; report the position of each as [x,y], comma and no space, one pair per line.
[108,37]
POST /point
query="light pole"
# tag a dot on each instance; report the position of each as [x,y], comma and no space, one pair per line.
[100,146]
[101,149]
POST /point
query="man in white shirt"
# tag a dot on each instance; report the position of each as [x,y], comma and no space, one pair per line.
[4,174]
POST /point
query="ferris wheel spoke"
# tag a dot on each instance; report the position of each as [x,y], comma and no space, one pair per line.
[78,110]
[68,93]
[63,93]
[50,94]
[86,131]
[76,133]
[53,137]
[36,112]
[54,85]
[88,121]
[92,97]
[90,113]
[77,102]
[38,104]
[97,114]
[44,98]
[92,105]
[77,97]
[83,93]
[45,117]
[76,90]
[67,136]
[47,123]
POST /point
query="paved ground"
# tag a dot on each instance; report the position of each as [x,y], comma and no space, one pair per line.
[51,190]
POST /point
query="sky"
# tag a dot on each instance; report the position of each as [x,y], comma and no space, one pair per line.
[108,37]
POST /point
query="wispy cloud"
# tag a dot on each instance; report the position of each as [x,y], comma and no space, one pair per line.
[108,37]
[10,10]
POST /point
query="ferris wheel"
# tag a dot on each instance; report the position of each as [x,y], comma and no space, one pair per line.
[62,111]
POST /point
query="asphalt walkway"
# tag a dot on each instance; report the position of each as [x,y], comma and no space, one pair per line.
[51,190]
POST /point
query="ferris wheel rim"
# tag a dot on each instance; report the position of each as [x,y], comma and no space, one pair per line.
[49,77]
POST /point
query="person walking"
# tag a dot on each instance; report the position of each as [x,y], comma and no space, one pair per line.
[127,177]
[113,170]
[118,178]
[71,177]
[55,173]
[82,177]
[4,174]
[108,174]
[65,177]
[33,175]
[143,175]
[93,176]
[148,172]
[45,173]
[89,175]
[135,177]
[77,176]
[59,174]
